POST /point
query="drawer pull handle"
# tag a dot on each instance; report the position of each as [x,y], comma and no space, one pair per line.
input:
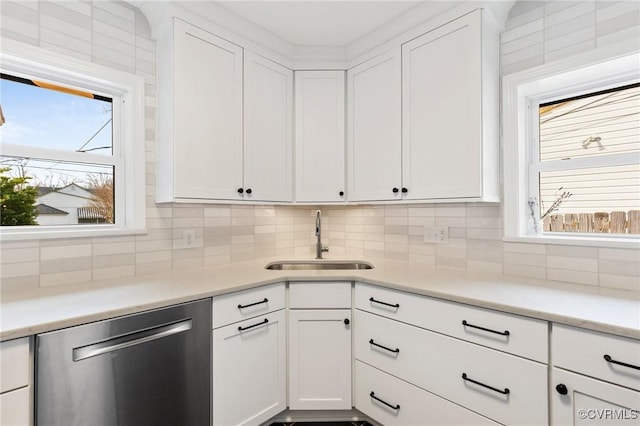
[395,407]
[253,304]
[624,364]
[506,391]
[254,325]
[396,350]
[502,333]
[371,299]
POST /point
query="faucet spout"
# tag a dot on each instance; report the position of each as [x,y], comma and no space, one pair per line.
[319,248]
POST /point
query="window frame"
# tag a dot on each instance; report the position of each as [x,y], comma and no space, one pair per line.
[127,92]
[600,69]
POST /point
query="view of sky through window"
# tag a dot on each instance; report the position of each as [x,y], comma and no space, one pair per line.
[44,116]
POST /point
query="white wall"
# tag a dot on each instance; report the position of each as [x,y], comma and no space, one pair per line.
[117,35]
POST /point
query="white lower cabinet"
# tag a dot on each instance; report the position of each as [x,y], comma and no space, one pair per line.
[249,370]
[392,401]
[15,407]
[15,382]
[503,387]
[320,359]
[595,378]
[581,400]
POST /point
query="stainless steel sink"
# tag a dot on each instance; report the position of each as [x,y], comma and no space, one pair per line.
[317,265]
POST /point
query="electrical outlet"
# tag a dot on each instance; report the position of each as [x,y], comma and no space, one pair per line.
[436,234]
[188,238]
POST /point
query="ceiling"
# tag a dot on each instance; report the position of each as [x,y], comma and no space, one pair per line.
[319,22]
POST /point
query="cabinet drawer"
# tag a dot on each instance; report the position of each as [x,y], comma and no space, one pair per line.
[510,333]
[436,362]
[414,406]
[14,407]
[14,364]
[245,304]
[584,351]
[327,295]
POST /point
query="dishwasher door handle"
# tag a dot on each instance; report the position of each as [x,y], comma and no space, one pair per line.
[131,339]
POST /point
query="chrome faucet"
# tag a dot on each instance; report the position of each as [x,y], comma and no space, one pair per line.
[319,247]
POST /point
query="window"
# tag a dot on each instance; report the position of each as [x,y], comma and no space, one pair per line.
[72,146]
[571,134]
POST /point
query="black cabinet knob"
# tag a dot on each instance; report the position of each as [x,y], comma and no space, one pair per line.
[395,190]
[341,193]
[249,191]
[562,389]
[346,321]
[405,190]
[240,190]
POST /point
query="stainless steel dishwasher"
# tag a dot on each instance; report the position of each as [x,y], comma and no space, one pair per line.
[152,368]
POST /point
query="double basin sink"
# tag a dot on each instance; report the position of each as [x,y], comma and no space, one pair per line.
[289,265]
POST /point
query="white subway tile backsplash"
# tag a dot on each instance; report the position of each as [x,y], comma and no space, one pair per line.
[512,270]
[57,10]
[619,267]
[114,272]
[627,255]
[64,278]
[622,282]
[521,43]
[19,269]
[558,12]
[609,10]
[14,254]
[532,51]
[519,17]
[522,31]
[564,41]
[572,263]
[629,36]
[66,42]
[572,251]
[525,259]
[577,277]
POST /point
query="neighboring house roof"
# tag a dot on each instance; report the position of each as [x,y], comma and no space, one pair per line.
[45,209]
[90,213]
[44,190]
[67,190]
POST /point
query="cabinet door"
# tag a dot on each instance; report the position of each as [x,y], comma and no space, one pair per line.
[249,370]
[320,148]
[319,359]
[207,115]
[15,407]
[441,112]
[373,129]
[581,400]
[268,130]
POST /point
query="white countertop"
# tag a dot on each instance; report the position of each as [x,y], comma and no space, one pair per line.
[46,309]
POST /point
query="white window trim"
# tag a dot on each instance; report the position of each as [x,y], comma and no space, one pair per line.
[598,69]
[20,58]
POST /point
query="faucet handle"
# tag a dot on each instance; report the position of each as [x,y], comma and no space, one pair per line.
[324,249]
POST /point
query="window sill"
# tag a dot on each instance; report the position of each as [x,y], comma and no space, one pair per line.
[8,235]
[625,242]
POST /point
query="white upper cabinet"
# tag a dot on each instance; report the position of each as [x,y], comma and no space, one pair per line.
[268,130]
[320,136]
[450,112]
[200,115]
[373,129]
[225,125]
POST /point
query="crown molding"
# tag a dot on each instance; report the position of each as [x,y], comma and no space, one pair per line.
[216,19]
